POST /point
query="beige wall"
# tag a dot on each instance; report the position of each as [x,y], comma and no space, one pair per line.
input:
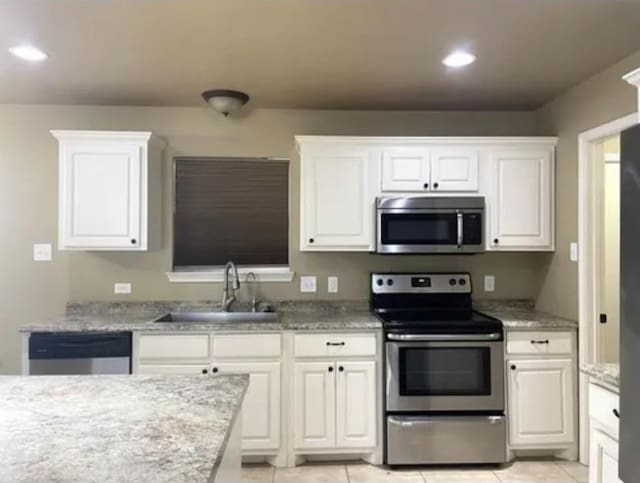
[28,163]
[598,100]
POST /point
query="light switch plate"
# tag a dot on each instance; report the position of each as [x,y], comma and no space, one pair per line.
[332,284]
[489,283]
[308,283]
[123,288]
[573,251]
[42,252]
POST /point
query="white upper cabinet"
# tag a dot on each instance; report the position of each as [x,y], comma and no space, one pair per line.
[405,169]
[521,200]
[108,185]
[337,197]
[424,169]
[454,169]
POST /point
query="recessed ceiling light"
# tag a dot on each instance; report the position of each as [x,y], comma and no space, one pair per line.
[459,58]
[28,52]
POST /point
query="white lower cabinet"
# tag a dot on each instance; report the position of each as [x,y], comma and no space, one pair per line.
[541,402]
[604,425]
[261,406]
[603,458]
[335,404]
[185,369]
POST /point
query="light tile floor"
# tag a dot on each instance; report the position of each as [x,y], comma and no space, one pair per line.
[524,471]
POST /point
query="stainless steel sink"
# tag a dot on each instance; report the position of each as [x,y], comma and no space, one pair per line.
[217,317]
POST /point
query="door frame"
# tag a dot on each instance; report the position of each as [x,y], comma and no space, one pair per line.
[589,223]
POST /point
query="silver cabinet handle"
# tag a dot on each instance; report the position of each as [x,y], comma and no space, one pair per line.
[460,229]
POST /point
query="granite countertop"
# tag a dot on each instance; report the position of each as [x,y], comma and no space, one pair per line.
[139,316]
[116,428]
[522,315]
[605,373]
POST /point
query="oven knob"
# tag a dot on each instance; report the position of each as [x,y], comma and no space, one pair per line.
[379,282]
[462,281]
[390,282]
[452,281]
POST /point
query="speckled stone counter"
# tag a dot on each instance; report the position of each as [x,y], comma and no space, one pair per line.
[140,316]
[116,428]
[521,315]
[604,373]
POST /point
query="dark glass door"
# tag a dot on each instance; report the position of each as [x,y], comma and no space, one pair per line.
[419,229]
[447,371]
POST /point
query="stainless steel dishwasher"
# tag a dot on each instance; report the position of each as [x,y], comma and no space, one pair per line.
[80,353]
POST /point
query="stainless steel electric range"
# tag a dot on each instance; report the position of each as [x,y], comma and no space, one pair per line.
[444,371]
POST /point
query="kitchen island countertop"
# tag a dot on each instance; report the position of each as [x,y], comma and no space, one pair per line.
[116,428]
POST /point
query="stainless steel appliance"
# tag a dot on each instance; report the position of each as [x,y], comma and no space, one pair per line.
[430,225]
[630,305]
[444,371]
[79,353]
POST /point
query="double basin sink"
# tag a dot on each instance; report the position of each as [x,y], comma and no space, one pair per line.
[219,317]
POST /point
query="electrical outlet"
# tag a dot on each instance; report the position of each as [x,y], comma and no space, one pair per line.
[573,251]
[123,288]
[489,283]
[332,284]
[42,252]
[308,284]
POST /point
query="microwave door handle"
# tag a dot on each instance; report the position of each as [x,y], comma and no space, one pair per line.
[460,229]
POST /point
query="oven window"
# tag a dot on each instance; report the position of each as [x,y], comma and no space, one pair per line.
[444,371]
[419,229]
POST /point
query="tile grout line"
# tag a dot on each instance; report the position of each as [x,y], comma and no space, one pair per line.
[565,471]
[273,474]
[346,470]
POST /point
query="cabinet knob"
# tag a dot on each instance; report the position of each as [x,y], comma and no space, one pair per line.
[204,371]
[330,368]
[215,369]
[513,367]
[435,186]
[341,369]
[310,240]
[496,241]
[133,241]
[426,185]
[616,413]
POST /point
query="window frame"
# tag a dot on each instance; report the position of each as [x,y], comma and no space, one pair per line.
[215,273]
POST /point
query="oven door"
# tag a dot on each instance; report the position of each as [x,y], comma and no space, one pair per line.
[429,231]
[444,375]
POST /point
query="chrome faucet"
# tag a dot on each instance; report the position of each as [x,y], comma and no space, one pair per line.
[226,299]
[251,277]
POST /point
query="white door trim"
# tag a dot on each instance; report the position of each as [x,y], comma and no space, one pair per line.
[588,258]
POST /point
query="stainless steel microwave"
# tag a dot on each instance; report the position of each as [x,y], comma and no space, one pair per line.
[423,224]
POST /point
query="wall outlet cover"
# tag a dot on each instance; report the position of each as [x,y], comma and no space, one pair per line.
[332,284]
[489,283]
[42,252]
[123,288]
[308,283]
[573,251]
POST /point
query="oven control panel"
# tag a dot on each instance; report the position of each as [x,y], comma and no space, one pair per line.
[420,283]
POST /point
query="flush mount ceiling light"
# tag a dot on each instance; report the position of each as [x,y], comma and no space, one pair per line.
[28,52]
[225,101]
[459,58]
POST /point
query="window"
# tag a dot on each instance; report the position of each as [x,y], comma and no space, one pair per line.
[230,209]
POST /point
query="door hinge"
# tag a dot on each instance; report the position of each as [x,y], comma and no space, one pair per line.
[603,318]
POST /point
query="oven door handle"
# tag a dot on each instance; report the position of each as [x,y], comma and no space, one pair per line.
[442,337]
[460,229]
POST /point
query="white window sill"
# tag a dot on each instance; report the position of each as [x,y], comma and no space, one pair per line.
[263,274]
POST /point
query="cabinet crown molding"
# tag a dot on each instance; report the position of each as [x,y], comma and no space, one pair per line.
[139,136]
[404,140]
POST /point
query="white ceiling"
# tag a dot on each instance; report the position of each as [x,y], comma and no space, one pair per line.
[347,54]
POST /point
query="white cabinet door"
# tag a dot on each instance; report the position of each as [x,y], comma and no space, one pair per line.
[405,169]
[261,406]
[356,404]
[337,200]
[183,369]
[454,169]
[315,405]
[541,401]
[521,201]
[603,460]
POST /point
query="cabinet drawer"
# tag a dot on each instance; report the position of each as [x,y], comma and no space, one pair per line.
[539,342]
[182,369]
[601,406]
[246,346]
[187,347]
[323,345]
